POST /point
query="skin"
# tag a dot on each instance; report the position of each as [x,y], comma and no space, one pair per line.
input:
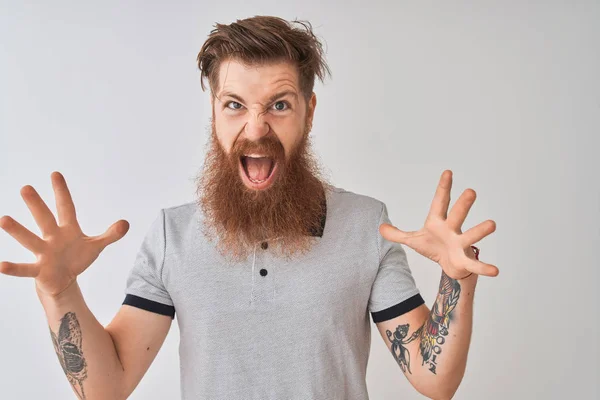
[441,238]
[244,106]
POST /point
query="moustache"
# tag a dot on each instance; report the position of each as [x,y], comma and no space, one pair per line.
[268,146]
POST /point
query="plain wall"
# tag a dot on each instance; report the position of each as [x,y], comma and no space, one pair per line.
[504,93]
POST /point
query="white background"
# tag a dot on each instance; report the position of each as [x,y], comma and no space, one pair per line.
[504,93]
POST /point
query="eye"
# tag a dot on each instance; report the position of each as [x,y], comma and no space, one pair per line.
[233,105]
[281,106]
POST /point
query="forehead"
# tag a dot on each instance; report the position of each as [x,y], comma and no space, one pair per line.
[257,81]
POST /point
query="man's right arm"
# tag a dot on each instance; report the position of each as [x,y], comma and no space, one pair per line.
[102,363]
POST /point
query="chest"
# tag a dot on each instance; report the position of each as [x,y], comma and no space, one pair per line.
[326,282]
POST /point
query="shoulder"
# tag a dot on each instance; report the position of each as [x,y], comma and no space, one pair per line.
[353,208]
[356,204]
[181,219]
[355,219]
[181,212]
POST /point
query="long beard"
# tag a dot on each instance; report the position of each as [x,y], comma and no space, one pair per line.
[284,214]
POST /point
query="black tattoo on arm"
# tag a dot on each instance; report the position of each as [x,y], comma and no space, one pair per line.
[401,353]
[437,325]
[67,345]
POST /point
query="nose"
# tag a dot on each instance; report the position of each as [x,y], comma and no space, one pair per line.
[256,126]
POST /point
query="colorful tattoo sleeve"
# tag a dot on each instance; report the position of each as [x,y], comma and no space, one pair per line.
[432,333]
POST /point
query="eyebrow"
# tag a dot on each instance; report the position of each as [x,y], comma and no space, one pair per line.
[276,96]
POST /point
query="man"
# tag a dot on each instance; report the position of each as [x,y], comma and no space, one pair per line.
[272,271]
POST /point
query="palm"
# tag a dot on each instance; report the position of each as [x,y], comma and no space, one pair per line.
[71,253]
[64,251]
[441,239]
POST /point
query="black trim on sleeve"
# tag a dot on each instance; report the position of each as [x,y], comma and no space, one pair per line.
[149,305]
[401,308]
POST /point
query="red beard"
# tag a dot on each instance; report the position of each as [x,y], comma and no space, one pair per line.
[284,213]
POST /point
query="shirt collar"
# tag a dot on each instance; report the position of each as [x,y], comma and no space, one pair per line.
[319,231]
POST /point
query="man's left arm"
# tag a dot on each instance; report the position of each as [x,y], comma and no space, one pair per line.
[431,345]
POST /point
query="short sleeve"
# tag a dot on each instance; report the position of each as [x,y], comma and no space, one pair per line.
[394,291]
[145,288]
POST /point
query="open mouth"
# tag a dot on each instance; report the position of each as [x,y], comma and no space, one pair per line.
[257,170]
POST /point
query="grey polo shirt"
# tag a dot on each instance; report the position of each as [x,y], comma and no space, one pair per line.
[267,328]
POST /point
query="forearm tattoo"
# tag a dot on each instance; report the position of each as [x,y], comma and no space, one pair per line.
[433,333]
[437,325]
[67,345]
[401,353]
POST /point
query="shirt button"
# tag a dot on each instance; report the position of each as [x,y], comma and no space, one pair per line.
[263,272]
[264,245]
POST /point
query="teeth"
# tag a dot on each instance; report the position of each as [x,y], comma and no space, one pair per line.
[255,181]
[255,155]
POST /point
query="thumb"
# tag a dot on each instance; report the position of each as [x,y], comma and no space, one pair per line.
[393,234]
[115,232]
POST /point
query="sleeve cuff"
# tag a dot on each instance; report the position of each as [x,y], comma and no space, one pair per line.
[401,308]
[149,305]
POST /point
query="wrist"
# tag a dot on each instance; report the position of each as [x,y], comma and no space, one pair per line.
[470,277]
[64,296]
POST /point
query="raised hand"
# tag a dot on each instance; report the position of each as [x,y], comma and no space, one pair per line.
[64,251]
[441,238]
